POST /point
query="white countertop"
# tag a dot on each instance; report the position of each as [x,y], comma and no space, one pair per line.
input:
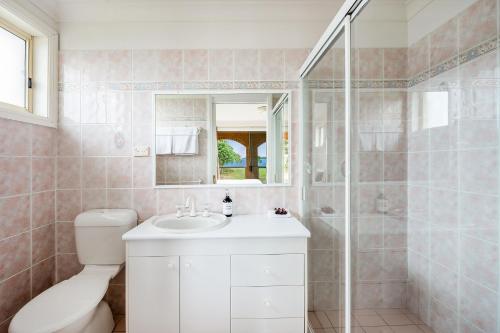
[240,226]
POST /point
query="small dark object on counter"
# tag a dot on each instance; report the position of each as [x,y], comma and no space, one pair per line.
[280,211]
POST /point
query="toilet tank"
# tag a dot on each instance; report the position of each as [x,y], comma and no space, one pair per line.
[98,234]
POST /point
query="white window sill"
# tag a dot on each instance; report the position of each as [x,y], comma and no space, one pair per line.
[19,114]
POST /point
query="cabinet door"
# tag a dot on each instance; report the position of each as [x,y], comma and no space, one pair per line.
[205,294]
[153,294]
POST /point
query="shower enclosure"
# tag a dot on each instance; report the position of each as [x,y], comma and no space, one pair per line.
[401,169]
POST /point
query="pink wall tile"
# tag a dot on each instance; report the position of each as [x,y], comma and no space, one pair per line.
[119,172]
[94,172]
[324,70]
[69,140]
[444,247]
[93,103]
[145,203]
[444,42]
[65,237]
[118,107]
[43,170]
[171,62]
[476,304]
[221,65]
[246,65]
[119,65]
[69,106]
[119,199]
[67,266]
[142,107]
[15,214]
[195,65]
[14,293]
[43,276]
[246,200]
[43,208]
[294,58]
[418,56]
[14,255]
[43,141]
[43,243]
[444,208]
[92,199]
[157,65]
[271,197]
[143,175]
[395,166]
[479,261]
[14,175]
[484,225]
[15,138]
[69,66]
[396,63]
[68,172]
[168,199]
[472,176]
[93,65]
[95,140]
[371,63]
[68,204]
[272,65]
[477,23]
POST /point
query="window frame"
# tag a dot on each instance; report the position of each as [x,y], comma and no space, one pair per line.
[28,38]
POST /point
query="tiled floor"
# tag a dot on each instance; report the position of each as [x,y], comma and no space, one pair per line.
[369,321]
[365,321]
[119,324]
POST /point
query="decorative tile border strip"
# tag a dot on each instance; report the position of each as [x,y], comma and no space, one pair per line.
[465,57]
[188,85]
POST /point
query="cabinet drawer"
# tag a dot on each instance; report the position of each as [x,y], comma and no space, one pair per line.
[267,270]
[267,302]
[285,325]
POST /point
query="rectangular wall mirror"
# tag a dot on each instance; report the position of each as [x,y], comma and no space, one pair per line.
[234,138]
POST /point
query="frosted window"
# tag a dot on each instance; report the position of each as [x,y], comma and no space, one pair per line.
[435,109]
[12,69]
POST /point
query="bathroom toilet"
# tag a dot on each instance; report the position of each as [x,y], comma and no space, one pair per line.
[76,305]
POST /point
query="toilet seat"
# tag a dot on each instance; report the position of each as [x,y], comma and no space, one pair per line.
[65,302]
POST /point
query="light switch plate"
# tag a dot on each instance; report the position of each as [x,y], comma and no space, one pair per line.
[141,151]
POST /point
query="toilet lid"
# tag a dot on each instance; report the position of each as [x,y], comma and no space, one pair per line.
[61,305]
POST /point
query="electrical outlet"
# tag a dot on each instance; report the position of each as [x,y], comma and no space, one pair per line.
[141,151]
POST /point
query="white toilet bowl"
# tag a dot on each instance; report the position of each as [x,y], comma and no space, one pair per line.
[72,306]
[76,305]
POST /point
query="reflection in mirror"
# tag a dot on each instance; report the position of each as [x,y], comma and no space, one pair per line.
[222,139]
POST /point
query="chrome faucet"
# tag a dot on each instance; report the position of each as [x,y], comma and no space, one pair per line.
[190,202]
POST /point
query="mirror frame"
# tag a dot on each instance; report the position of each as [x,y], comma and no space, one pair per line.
[291,135]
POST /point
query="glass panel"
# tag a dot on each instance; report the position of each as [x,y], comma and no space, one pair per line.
[425,182]
[13,69]
[324,181]
[378,174]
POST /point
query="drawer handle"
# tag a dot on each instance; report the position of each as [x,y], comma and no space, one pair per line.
[267,303]
[267,271]
[170,265]
[187,265]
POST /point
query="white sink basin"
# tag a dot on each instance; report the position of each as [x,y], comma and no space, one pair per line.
[189,224]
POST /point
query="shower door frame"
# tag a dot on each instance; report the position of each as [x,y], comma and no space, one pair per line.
[341,23]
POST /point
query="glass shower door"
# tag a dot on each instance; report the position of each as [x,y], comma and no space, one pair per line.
[324,184]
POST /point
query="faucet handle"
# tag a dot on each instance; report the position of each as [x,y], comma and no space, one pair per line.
[206,209]
[192,212]
[179,210]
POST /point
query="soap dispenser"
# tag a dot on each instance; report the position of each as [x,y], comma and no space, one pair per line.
[227,205]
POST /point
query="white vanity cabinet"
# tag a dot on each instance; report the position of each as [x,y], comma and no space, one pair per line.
[215,283]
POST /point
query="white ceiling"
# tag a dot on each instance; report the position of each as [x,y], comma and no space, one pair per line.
[186,10]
